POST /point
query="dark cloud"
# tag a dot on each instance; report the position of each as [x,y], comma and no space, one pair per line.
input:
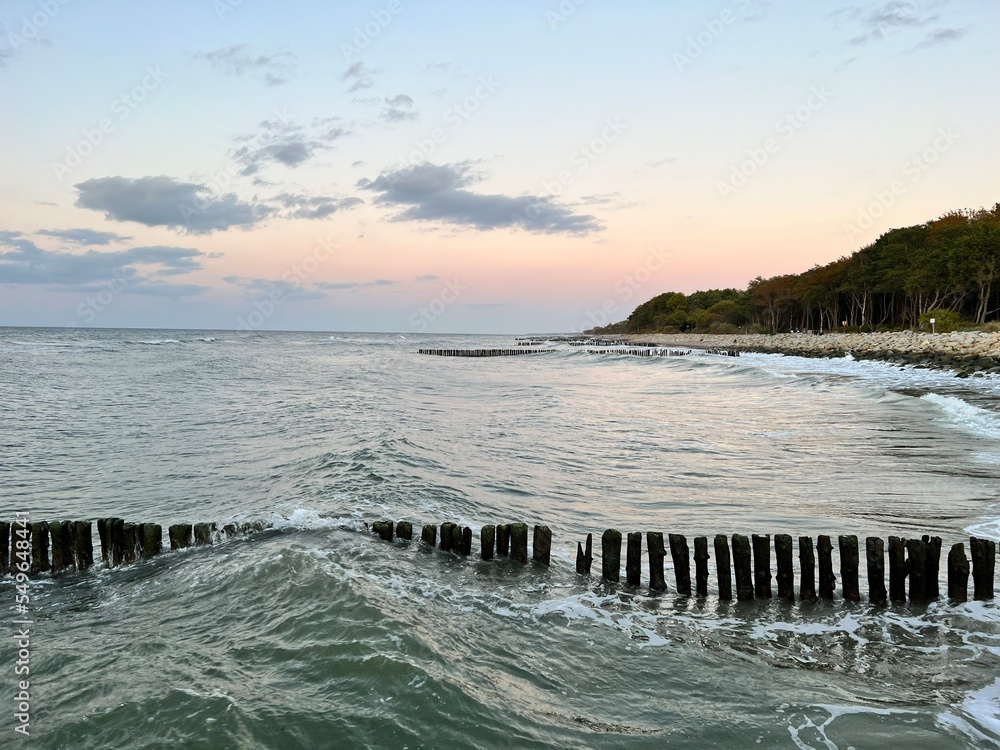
[888,18]
[439,193]
[165,202]
[941,36]
[238,60]
[288,289]
[84,236]
[398,109]
[314,206]
[281,142]
[137,270]
[361,77]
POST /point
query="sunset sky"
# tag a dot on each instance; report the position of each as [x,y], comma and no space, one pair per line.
[468,167]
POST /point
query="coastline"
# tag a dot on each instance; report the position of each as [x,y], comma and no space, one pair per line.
[967,353]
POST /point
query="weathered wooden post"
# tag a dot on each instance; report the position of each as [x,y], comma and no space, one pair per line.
[404,530]
[447,536]
[680,555]
[503,540]
[130,546]
[958,574]
[633,559]
[762,565]
[203,534]
[487,542]
[180,535]
[875,559]
[458,539]
[39,547]
[656,552]
[382,529]
[984,558]
[741,563]
[611,555]
[827,580]
[4,548]
[466,546]
[897,570]
[102,531]
[701,558]
[519,542]
[585,558]
[152,539]
[916,566]
[849,561]
[541,545]
[932,585]
[723,568]
[116,537]
[83,544]
[428,534]
[807,569]
[62,546]
[786,573]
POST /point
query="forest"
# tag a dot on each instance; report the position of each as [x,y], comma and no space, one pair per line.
[947,269]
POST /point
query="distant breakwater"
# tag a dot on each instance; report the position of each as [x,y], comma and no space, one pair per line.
[966,353]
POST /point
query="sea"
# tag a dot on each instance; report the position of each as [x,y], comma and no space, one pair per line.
[317,634]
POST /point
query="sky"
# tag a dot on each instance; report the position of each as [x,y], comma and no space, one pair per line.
[457,167]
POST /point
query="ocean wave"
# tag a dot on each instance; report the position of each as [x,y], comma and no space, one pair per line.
[965,415]
[978,713]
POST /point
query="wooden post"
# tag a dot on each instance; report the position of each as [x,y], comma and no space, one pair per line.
[723,568]
[762,565]
[584,559]
[741,563]
[203,534]
[849,561]
[466,547]
[932,585]
[447,537]
[519,542]
[62,546]
[611,555]
[382,529]
[152,540]
[130,546]
[83,544]
[102,531]
[916,567]
[541,545]
[807,569]
[680,555]
[458,539]
[827,580]
[39,547]
[656,552]
[701,565]
[180,535]
[633,559]
[875,558]
[116,538]
[958,574]
[428,534]
[897,570]
[503,540]
[786,573]
[984,558]
[487,542]
[404,530]
[4,548]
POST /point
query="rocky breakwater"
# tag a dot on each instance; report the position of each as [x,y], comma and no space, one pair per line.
[970,353]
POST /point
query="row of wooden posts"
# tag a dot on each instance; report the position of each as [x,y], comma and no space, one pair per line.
[911,561]
[643,352]
[55,546]
[503,540]
[483,352]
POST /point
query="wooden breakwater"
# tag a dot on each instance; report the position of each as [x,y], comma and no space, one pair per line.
[483,352]
[643,352]
[501,540]
[35,547]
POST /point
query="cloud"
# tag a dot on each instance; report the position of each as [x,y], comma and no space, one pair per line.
[941,36]
[439,193]
[137,270]
[335,285]
[288,289]
[273,69]
[165,202]
[84,236]
[889,18]
[399,109]
[281,142]
[428,277]
[362,77]
[313,207]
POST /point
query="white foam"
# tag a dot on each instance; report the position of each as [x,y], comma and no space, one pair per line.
[158,342]
[833,713]
[967,416]
[980,713]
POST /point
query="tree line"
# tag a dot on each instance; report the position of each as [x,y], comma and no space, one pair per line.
[948,268]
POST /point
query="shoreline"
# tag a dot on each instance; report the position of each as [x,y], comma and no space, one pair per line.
[966,353]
